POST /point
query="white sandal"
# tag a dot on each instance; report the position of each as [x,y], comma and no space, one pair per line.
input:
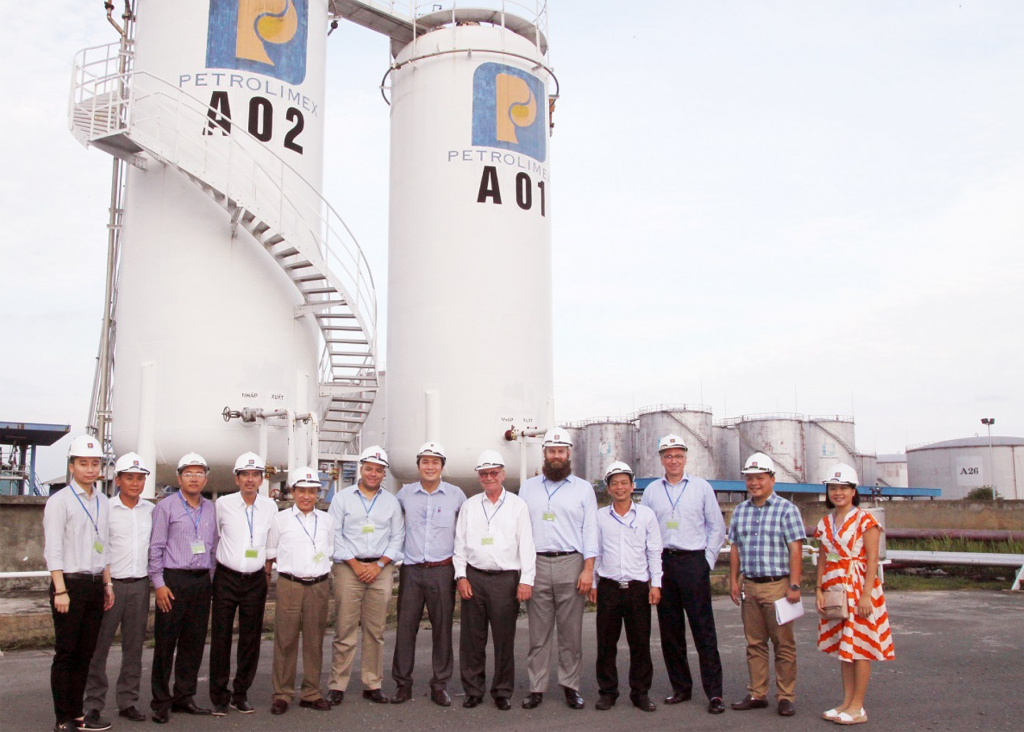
[830,715]
[845,718]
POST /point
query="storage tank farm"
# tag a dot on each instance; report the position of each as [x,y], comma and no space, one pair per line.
[608,439]
[692,422]
[781,437]
[829,440]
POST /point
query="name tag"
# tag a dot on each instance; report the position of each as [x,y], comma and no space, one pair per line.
[487,540]
[671,524]
[252,553]
[368,528]
[198,547]
[97,547]
[318,557]
[547,516]
[832,557]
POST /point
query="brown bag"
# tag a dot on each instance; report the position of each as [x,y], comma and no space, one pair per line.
[833,604]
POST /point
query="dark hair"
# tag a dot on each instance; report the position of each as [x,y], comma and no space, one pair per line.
[430,454]
[856,495]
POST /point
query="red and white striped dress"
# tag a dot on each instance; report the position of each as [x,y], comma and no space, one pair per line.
[852,638]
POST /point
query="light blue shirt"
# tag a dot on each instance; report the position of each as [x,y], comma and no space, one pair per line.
[430,521]
[367,528]
[629,546]
[563,514]
[688,515]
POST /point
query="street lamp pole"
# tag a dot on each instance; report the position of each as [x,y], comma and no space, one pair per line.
[988,422]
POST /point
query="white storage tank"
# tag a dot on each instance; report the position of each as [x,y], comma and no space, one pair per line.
[958,466]
[469,264]
[829,440]
[692,422]
[726,442]
[866,464]
[781,437]
[608,439]
[578,433]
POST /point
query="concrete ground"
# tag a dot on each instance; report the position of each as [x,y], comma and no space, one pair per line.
[959,666]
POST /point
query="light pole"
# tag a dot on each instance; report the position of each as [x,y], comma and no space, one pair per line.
[988,422]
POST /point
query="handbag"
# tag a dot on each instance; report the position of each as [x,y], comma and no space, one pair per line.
[833,604]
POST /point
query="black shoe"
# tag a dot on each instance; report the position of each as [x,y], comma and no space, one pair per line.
[375,695]
[65,727]
[716,706]
[133,714]
[162,716]
[402,695]
[189,707]
[220,710]
[503,703]
[93,722]
[472,701]
[605,703]
[243,706]
[440,698]
[573,700]
[321,705]
[335,697]
[749,702]
[533,700]
[679,697]
[644,703]
[786,708]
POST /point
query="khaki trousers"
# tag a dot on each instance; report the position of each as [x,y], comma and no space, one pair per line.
[760,627]
[358,603]
[301,609]
[556,603]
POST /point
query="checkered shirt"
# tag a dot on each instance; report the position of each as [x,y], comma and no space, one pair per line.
[763,535]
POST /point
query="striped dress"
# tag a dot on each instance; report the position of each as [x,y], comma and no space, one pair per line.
[852,638]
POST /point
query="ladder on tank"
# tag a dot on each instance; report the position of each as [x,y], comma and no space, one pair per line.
[138,117]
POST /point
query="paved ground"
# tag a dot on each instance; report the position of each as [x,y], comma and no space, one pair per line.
[959,666]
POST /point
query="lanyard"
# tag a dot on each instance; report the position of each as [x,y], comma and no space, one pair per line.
[835,532]
[199,513]
[250,517]
[363,500]
[316,521]
[630,525]
[95,526]
[549,493]
[484,507]
[664,484]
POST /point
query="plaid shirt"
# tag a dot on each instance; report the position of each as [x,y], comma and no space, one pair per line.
[763,535]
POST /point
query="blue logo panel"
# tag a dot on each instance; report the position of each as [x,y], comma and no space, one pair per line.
[263,36]
[509,110]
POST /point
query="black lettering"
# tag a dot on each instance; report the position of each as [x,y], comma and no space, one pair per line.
[294,115]
[261,119]
[489,186]
[540,185]
[524,191]
[219,113]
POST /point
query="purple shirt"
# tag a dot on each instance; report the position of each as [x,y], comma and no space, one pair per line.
[175,530]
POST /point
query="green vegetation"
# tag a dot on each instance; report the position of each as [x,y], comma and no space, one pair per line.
[984,493]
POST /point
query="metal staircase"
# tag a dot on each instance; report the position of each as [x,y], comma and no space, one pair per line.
[140,118]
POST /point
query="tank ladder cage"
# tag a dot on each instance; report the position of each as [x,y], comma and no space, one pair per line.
[786,467]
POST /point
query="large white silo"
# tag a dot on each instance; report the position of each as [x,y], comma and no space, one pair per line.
[829,440]
[781,437]
[726,441]
[608,439]
[689,421]
[578,434]
[469,262]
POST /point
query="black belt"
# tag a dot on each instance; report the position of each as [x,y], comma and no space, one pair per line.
[490,571]
[367,560]
[84,577]
[681,552]
[236,573]
[129,580]
[624,585]
[556,554]
[189,572]
[303,580]
[765,580]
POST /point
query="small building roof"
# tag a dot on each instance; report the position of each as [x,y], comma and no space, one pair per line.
[893,457]
[28,433]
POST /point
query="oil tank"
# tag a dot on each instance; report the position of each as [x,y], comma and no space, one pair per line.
[608,439]
[692,422]
[579,450]
[781,437]
[959,466]
[829,440]
[726,443]
[469,348]
[867,468]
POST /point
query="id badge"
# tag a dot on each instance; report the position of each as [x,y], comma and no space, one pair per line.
[832,557]
[318,557]
[671,524]
[368,528]
[97,547]
[487,540]
[548,516]
[252,553]
[198,547]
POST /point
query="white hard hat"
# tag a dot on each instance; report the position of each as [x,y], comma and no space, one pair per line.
[842,474]
[85,446]
[557,437]
[190,459]
[130,462]
[250,461]
[432,448]
[759,463]
[304,477]
[617,468]
[489,459]
[374,454]
[669,441]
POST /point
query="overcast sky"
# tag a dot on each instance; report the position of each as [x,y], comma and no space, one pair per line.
[812,207]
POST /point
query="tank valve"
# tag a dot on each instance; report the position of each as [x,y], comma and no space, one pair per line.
[511,434]
[229,414]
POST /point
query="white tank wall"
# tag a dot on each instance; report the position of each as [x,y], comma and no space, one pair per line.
[958,470]
[579,451]
[694,426]
[606,443]
[828,441]
[866,465]
[781,438]
[469,283]
[727,452]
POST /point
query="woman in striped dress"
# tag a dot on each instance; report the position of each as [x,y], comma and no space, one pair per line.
[848,558]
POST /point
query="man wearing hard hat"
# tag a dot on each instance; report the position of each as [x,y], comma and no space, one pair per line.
[182,548]
[495,565]
[693,532]
[131,521]
[239,585]
[427,576]
[368,541]
[75,530]
[767,535]
[563,511]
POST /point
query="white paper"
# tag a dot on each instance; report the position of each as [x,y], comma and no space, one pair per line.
[786,611]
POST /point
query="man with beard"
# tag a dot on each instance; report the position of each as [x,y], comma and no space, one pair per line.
[563,513]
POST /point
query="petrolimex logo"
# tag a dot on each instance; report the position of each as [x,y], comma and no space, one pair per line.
[263,36]
[508,110]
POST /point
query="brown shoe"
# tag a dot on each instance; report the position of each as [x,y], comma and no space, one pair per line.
[402,695]
[279,707]
[749,702]
[786,708]
[320,705]
[375,695]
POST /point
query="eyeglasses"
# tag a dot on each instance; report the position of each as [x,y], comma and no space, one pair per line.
[193,476]
[488,474]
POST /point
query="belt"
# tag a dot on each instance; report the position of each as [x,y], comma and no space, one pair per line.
[84,577]
[367,560]
[624,585]
[490,571]
[681,552]
[556,554]
[765,580]
[428,565]
[129,580]
[303,580]
[189,572]
[236,573]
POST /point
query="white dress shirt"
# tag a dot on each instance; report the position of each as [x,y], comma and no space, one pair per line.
[75,530]
[301,543]
[367,528]
[564,514]
[243,531]
[688,515]
[630,546]
[129,538]
[495,536]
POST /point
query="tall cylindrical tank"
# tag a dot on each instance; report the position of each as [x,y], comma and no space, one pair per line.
[781,437]
[205,316]
[469,349]
[608,440]
[866,464]
[957,467]
[578,433]
[689,421]
[726,442]
[829,440]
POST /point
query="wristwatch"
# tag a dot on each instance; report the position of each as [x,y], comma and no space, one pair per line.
[380,564]
[794,587]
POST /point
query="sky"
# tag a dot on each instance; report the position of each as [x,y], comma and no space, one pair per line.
[812,207]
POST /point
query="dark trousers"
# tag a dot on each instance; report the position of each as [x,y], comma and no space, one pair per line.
[180,638]
[247,595]
[630,606]
[493,605]
[75,632]
[433,587]
[686,593]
